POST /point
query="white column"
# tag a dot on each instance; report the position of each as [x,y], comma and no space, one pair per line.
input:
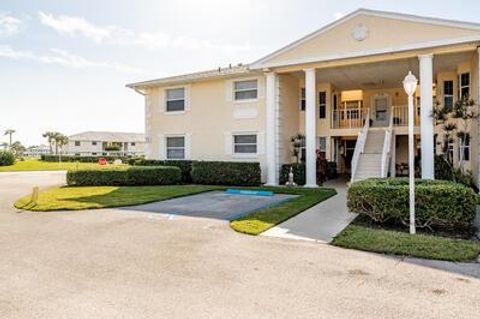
[271,128]
[310,128]
[426,119]
[478,121]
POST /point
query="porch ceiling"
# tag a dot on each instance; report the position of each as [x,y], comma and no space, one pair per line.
[387,74]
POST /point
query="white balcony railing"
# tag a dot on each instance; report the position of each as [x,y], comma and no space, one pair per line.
[400,115]
[349,118]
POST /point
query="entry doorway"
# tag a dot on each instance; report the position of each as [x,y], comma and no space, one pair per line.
[381,110]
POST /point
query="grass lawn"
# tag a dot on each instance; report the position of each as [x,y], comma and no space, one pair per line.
[260,221]
[74,198]
[403,244]
[38,165]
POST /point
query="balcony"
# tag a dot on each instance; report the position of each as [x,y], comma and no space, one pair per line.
[349,118]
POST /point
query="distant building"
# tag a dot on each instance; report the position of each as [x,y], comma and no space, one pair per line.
[37,150]
[105,143]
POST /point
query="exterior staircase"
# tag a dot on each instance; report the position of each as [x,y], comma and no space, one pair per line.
[370,160]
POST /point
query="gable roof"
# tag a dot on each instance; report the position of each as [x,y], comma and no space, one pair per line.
[230,71]
[108,136]
[264,62]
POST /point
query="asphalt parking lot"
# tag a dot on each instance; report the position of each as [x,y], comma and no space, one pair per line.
[115,263]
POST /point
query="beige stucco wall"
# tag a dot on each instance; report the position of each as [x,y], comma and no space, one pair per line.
[290,113]
[210,121]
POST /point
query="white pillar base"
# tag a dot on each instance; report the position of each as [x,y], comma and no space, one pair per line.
[311,186]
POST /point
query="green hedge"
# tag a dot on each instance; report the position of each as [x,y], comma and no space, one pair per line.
[82,159]
[437,203]
[132,176]
[184,165]
[6,158]
[226,173]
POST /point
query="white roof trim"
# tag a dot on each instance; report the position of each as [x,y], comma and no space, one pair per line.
[263,62]
[192,77]
[364,53]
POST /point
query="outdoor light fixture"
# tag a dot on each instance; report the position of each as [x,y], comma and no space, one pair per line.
[410,86]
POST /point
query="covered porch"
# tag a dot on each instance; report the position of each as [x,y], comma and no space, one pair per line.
[343,100]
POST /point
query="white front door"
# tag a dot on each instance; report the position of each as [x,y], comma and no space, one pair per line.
[380,107]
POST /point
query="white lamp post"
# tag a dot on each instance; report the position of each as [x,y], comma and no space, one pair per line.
[410,85]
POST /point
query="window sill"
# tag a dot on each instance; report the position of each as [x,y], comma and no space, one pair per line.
[245,155]
[174,112]
[245,101]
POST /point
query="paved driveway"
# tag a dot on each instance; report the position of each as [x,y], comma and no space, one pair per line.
[118,264]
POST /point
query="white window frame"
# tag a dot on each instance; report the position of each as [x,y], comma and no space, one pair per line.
[448,95]
[184,147]
[166,100]
[320,145]
[461,87]
[245,155]
[242,90]
[462,148]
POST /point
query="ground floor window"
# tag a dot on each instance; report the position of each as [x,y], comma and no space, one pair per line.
[322,146]
[175,147]
[464,148]
[245,144]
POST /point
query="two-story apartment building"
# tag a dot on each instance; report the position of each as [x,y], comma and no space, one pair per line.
[94,143]
[340,86]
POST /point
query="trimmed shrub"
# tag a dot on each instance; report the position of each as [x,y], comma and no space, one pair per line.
[82,159]
[6,158]
[437,203]
[298,173]
[184,165]
[226,173]
[132,176]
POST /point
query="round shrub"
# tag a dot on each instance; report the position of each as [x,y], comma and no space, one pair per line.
[437,203]
[133,176]
[6,158]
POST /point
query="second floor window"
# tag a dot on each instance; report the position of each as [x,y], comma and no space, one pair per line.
[448,95]
[175,100]
[77,143]
[464,85]
[245,90]
[302,99]
[322,102]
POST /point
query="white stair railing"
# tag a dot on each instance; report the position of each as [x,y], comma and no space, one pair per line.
[360,145]
[387,148]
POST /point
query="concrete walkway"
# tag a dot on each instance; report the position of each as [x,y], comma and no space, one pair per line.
[322,222]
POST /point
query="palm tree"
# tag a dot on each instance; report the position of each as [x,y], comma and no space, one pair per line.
[60,141]
[50,138]
[9,132]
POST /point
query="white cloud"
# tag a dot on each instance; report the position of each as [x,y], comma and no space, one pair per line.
[9,25]
[112,34]
[338,15]
[63,58]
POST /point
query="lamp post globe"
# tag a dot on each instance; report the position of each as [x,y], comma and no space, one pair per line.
[410,83]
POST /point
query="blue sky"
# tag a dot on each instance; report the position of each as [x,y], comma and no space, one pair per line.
[64,64]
